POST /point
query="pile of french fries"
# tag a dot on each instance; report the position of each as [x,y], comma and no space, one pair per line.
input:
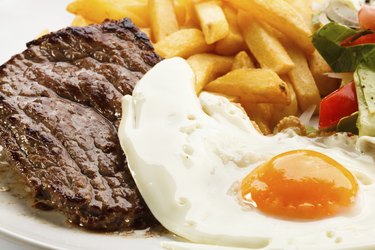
[256,52]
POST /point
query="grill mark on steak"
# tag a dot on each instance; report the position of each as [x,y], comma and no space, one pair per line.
[59,111]
[59,151]
[119,77]
[80,85]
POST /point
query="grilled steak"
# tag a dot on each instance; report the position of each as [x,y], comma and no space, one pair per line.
[59,112]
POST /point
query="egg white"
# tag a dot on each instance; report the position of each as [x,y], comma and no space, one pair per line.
[187,156]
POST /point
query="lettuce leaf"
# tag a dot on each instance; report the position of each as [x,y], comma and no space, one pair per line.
[359,59]
[364,79]
[342,59]
[348,124]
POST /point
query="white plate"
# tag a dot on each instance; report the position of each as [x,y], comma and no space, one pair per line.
[21,21]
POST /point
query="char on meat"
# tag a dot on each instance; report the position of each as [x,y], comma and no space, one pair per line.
[59,111]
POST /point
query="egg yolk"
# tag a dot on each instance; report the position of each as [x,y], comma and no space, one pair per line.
[300,184]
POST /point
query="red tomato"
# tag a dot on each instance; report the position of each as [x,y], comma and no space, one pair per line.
[340,103]
[365,39]
[366,17]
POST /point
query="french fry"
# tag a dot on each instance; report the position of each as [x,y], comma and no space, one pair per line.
[276,33]
[212,21]
[280,111]
[100,10]
[233,99]
[268,51]
[80,21]
[194,29]
[261,113]
[183,43]
[185,13]
[262,125]
[138,7]
[303,82]
[243,20]
[207,67]
[253,85]
[305,8]
[282,16]
[233,42]
[318,67]
[242,61]
[163,19]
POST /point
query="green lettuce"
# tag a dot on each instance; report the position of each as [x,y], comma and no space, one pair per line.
[364,79]
[348,124]
[359,59]
[327,41]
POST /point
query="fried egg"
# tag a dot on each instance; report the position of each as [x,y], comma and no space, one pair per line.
[208,176]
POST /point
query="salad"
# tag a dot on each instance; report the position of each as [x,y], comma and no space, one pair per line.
[347,43]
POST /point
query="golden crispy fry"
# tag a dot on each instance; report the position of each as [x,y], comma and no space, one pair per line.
[207,67]
[80,21]
[282,16]
[138,7]
[260,114]
[233,99]
[276,33]
[212,21]
[268,51]
[318,67]
[262,111]
[254,85]
[242,61]
[304,8]
[243,19]
[99,10]
[163,19]
[185,13]
[183,43]
[262,125]
[194,29]
[233,42]
[280,111]
[303,82]
[230,45]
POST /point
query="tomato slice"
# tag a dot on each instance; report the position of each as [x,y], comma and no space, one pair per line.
[340,103]
[366,17]
[352,41]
